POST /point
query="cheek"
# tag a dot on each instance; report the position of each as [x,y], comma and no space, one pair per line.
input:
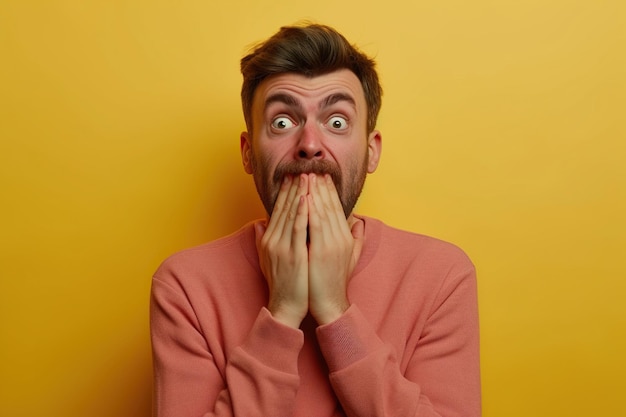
[265,162]
[274,156]
[352,156]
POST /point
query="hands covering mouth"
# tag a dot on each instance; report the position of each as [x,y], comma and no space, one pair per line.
[308,250]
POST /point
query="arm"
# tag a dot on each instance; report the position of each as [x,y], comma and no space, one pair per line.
[442,377]
[260,378]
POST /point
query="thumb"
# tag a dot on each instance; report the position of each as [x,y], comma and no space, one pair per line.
[358,230]
[259,231]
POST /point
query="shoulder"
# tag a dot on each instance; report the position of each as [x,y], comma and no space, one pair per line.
[418,272]
[226,253]
[403,245]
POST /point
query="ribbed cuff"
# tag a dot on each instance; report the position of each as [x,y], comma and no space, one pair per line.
[347,339]
[274,344]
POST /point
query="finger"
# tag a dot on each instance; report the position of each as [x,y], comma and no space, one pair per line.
[279,204]
[332,199]
[328,206]
[321,233]
[315,208]
[358,234]
[294,216]
[283,211]
[259,231]
[299,236]
[358,230]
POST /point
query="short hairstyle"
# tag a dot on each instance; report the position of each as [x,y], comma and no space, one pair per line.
[310,50]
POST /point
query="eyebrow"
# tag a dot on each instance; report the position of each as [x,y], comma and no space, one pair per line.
[293,102]
[336,98]
[283,98]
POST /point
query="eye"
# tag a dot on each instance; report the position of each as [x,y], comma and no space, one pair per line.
[282,123]
[337,123]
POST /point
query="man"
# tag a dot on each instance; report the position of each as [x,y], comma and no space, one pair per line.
[315,311]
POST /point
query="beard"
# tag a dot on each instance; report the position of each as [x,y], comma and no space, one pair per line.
[348,188]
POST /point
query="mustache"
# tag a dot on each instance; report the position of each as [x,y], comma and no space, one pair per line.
[319,167]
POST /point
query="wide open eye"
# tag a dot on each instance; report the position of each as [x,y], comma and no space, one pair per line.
[337,123]
[282,123]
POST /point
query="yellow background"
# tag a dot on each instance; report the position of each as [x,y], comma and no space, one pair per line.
[503,130]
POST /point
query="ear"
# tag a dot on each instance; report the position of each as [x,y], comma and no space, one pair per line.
[374,149]
[246,152]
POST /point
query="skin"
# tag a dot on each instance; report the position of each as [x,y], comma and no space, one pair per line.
[309,152]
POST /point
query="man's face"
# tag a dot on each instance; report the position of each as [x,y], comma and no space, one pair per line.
[303,125]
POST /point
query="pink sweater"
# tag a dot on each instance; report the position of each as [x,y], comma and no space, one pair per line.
[407,346]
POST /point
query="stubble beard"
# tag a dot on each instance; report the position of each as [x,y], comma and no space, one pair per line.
[268,185]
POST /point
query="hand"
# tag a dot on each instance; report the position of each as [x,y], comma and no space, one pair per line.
[334,250]
[283,256]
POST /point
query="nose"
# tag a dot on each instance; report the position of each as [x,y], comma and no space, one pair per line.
[310,143]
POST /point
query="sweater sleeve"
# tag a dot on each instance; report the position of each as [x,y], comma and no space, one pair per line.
[442,377]
[259,379]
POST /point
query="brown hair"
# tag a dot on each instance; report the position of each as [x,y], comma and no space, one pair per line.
[309,50]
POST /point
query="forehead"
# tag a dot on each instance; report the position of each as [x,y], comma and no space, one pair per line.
[310,89]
